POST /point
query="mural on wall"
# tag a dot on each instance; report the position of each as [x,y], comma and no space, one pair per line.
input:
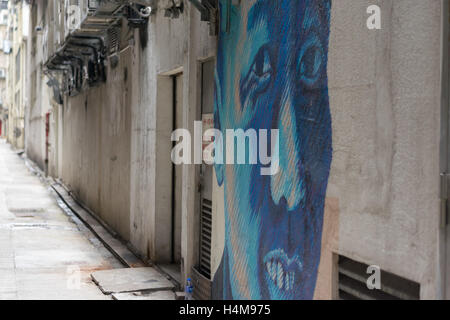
[272,74]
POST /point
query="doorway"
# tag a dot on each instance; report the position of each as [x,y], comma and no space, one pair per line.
[168,177]
[206,171]
[177,171]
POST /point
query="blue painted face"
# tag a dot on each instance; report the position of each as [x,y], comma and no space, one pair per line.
[272,74]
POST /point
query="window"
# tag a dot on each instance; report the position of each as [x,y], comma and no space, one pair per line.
[4,19]
[6,46]
[3,14]
[18,66]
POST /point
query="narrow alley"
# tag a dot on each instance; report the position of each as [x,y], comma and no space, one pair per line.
[225,150]
[42,247]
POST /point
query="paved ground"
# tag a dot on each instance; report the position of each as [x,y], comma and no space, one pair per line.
[41,246]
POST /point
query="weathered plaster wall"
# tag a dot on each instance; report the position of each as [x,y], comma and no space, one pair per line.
[382,203]
[165,52]
[174,46]
[384,88]
[38,95]
[110,136]
[34,111]
[96,146]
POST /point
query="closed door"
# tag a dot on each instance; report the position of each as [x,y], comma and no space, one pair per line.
[177,172]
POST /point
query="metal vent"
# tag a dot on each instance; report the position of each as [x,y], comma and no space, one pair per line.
[113,40]
[205,238]
[353,284]
[202,286]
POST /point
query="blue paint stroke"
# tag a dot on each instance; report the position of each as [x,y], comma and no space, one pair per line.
[272,74]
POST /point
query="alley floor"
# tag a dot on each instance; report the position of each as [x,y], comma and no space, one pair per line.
[45,251]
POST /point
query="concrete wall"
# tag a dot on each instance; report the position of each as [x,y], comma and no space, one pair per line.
[96,146]
[4,105]
[110,136]
[17,83]
[385,101]
[39,96]
[382,205]
[175,46]
[36,113]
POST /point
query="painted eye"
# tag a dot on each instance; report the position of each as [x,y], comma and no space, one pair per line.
[258,78]
[310,62]
[261,66]
[261,72]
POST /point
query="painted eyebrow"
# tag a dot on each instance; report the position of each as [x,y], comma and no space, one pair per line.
[255,15]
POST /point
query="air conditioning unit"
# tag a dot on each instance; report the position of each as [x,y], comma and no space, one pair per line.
[93,5]
[7,46]
[92,33]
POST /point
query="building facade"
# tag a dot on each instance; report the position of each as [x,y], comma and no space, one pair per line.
[362,120]
[17,34]
[4,45]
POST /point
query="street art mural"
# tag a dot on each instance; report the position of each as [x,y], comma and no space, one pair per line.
[272,74]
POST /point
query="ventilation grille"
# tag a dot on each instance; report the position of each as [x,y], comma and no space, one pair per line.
[353,284]
[202,286]
[113,40]
[205,238]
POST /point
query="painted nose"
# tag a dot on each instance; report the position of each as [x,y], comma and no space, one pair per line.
[288,183]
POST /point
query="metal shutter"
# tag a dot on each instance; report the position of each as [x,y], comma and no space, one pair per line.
[353,284]
[205,238]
